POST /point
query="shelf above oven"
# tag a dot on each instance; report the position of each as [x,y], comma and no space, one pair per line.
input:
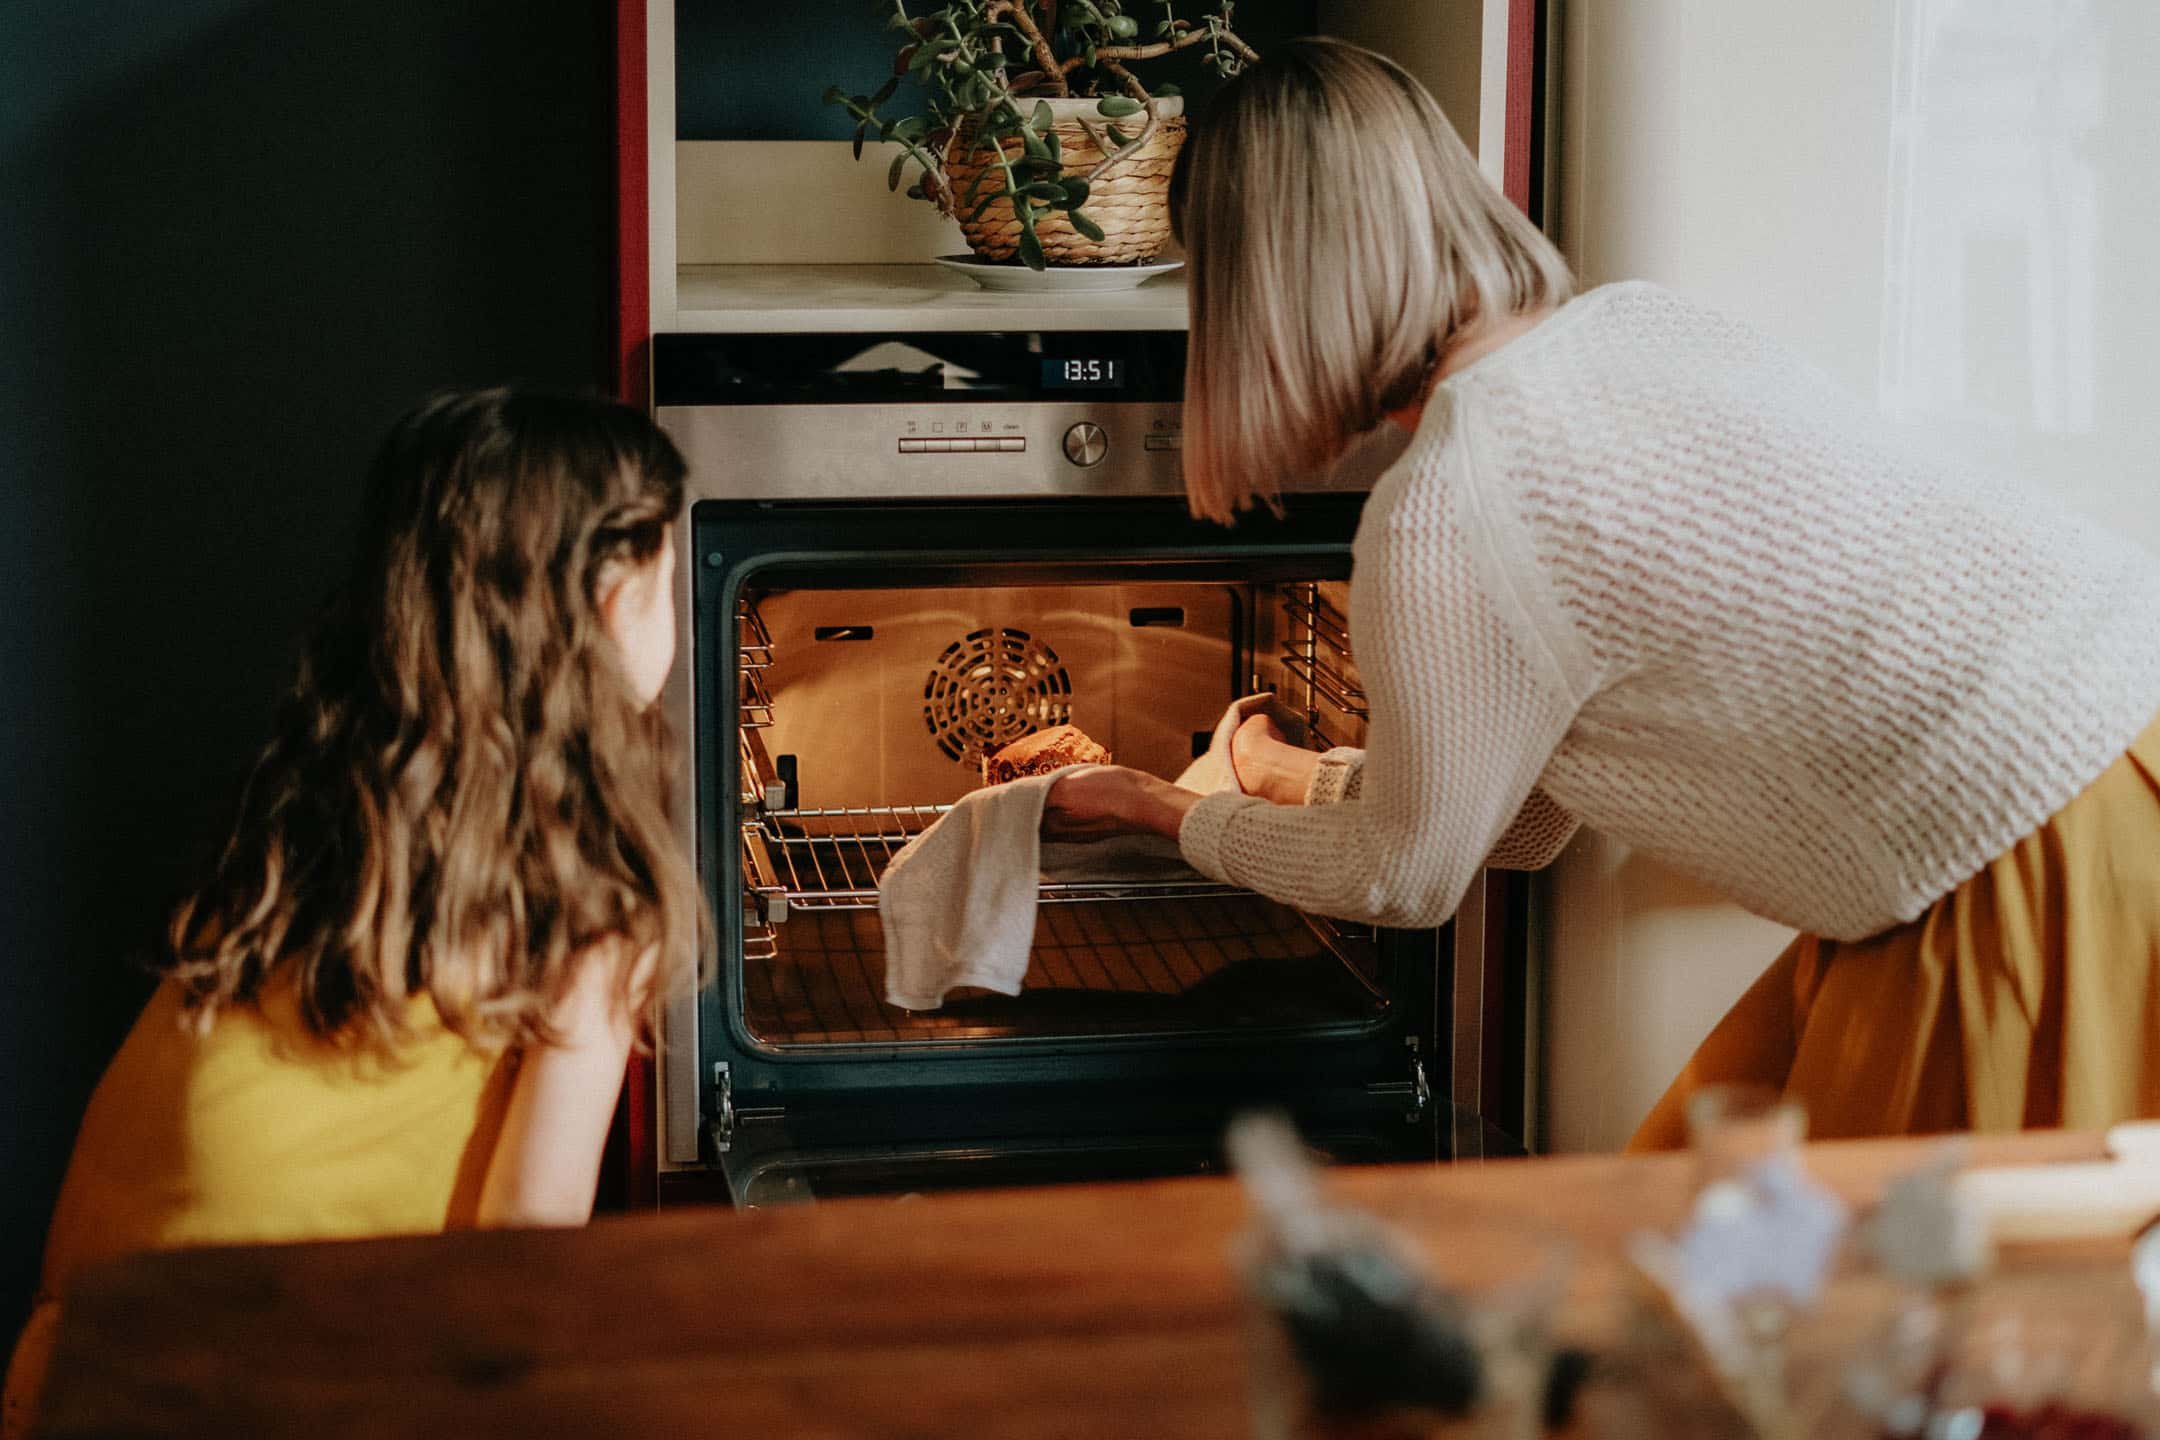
[724,299]
[832,860]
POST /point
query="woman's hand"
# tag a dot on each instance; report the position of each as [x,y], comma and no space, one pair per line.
[1107,800]
[1090,804]
[1267,765]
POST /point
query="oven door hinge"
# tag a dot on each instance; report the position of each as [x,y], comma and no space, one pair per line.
[720,1124]
[1413,1090]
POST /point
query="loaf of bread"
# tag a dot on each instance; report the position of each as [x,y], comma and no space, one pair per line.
[1042,752]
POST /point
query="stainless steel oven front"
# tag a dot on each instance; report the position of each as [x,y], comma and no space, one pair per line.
[902,550]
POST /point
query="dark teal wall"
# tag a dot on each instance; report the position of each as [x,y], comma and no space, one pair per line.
[756,72]
[236,236]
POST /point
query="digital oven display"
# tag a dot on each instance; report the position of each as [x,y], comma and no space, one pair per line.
[940,367]
[1082,373]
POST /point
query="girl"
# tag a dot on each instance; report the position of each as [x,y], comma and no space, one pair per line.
[405,996]
[1644,570]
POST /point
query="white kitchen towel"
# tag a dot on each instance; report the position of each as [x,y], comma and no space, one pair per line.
[958,902]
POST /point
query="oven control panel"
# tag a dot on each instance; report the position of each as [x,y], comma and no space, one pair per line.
[759,452]
[962,444]
[1085,443]
[928,415]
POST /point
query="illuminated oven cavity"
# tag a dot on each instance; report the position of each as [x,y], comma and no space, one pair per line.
[865,713]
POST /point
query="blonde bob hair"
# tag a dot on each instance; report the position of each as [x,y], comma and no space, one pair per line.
[1339,236]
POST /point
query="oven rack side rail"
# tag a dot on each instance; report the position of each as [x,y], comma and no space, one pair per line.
[1315,652]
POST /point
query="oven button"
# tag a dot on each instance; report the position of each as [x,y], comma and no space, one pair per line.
[969,445]
[913,447]
[1085,444]
[1163,442]
[1012,442]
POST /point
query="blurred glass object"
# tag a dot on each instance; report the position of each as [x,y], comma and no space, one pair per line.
[2030,1367]
[1734,1128]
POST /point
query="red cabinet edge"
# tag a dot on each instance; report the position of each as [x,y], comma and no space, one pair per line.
[1518,137]
[633,1151]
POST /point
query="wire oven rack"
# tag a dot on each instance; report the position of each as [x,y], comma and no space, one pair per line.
[797,860]
[1175,965]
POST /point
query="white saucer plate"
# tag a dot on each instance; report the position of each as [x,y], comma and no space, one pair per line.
[1009,278]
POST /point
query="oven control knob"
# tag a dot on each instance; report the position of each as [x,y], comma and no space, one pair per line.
[1085,443]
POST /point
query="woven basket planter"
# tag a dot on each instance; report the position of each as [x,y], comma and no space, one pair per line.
[1131,202]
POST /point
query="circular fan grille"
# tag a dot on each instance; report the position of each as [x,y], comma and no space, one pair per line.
[990,688]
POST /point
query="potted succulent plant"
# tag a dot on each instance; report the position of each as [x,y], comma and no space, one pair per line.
[1033,129]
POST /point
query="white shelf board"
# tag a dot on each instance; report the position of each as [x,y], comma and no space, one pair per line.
[720,299]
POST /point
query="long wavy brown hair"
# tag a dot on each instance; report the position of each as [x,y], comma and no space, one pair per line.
[463,795]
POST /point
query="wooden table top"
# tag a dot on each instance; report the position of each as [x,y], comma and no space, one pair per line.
[1097,1310]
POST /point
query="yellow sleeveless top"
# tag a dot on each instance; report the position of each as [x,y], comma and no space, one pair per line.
[257,1132]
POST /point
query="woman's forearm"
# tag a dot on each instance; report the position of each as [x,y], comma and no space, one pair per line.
[1156,806]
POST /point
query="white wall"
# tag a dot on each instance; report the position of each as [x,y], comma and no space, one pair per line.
[1951,204]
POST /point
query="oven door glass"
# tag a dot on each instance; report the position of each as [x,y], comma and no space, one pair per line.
[857,662]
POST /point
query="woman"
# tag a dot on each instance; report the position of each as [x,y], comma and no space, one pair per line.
[404,996]
[1644,570]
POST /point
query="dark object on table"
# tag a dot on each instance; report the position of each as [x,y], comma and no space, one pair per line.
[1571,1368]
[1371,1334]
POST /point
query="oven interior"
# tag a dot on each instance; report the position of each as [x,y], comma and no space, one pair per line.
[863,711]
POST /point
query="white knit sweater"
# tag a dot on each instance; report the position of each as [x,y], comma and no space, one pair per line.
[1643,569]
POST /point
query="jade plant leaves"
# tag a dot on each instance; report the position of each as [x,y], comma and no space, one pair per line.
[986,74]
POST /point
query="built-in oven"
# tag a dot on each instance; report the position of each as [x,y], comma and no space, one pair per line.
[903,551]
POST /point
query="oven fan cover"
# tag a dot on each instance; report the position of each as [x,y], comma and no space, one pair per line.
[989,688]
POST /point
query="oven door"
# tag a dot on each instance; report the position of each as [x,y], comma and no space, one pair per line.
[1017,1139]
[853,662]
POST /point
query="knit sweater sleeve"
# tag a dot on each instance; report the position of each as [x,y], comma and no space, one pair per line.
[1472,682]
[1534,839]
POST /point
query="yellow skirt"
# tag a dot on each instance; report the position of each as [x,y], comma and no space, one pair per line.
[2027,997]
